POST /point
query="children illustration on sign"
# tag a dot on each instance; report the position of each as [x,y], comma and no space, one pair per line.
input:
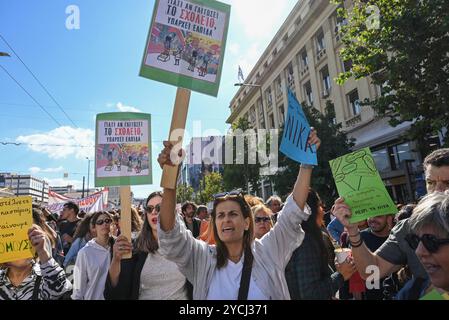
[132,157]
[193,54]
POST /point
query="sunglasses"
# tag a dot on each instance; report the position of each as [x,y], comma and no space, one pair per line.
[237,192]
[262,219]
[430,242]
[150,209]
[100,222]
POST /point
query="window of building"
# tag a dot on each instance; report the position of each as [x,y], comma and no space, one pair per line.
[268,97]
[304,59]
[326,81]
[381,159]
[399,154]
[290,76]
[271,118]
[261,114]
[347,65]
[320,41]
[308,93]
[252,115]
[279,90]
[282,114]
[354,102]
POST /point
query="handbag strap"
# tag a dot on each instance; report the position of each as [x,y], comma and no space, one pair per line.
[246,276]
[37,284]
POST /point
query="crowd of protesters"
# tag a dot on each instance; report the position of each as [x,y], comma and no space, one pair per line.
[242,248]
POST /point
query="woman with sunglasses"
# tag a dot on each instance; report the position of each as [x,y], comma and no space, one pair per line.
[429,237]
[262,220]
[239,266]
[92,262]
[147,275]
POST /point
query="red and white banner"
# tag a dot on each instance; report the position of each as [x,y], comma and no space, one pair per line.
[95,202]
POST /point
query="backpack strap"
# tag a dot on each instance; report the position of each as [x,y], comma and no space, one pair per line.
[37,284]
[246,276]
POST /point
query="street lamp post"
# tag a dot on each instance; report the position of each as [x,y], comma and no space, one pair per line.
[88,173]
[4,54]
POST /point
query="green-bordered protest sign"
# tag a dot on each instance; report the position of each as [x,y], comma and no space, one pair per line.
[359,183]
[186,44]
[123,149]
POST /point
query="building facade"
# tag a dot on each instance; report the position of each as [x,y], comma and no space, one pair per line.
[203,156]
[25,185]
[303,56]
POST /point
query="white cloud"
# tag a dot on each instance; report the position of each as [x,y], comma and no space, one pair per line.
[234,48]
[247,60]
[60,182]
[62,142]
[122,108]
[34,170]
[259,18]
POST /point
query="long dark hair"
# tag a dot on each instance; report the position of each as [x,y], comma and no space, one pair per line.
[248,235]
[39,220]
[313,228]
[146,241]
[83,227]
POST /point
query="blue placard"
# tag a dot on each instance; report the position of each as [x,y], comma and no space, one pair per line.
[296,132]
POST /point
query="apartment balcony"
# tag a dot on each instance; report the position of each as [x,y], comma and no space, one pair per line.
[304,71]
[320,54]
[352,122]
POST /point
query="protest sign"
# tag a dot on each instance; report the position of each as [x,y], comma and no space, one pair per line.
[435,295]
[123,157]
[186,44]
[296,133]
[95,202]
[15,220]
[123,149]
[359,183]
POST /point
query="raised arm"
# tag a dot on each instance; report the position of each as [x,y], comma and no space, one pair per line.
[363,257]
[302,184]
[168,205]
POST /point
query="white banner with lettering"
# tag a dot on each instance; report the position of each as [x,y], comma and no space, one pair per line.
[95,202]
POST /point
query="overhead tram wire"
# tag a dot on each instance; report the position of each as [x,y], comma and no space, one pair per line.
[29,94]
[40,83]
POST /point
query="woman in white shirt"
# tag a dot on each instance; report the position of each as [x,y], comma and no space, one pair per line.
[147,275]
[92,262]
[238,267]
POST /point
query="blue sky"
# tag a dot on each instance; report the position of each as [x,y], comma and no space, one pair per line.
[94,70]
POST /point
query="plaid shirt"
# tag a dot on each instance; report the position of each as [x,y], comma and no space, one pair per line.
[304,274]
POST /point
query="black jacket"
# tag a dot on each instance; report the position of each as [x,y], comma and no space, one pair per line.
[129,280]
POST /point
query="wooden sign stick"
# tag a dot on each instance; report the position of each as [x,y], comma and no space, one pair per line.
[125,214]
[178,124]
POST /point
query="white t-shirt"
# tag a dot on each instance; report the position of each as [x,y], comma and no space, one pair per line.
[226,283]
[161,279]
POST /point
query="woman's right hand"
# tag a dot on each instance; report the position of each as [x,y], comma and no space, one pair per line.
[121,247]
[165,157]
[343,213]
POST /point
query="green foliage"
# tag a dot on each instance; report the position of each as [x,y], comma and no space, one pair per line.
[407,55]
[210,185]
[239,175]
[334,143]
[184,193]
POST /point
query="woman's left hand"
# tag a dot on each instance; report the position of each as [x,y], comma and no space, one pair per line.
[37,238]
[313,138]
